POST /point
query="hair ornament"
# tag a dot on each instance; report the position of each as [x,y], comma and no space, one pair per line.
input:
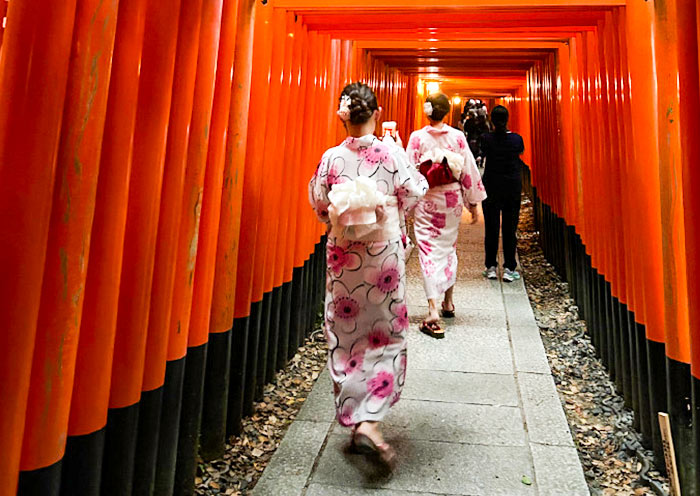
[428,108]
[344,108]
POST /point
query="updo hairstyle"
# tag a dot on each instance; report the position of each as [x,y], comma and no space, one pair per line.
[363,102]
[499,118]
[441,106]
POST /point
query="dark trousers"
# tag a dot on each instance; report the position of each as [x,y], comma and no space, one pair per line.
[495,206]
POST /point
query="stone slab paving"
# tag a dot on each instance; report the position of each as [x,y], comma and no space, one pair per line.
[479,410]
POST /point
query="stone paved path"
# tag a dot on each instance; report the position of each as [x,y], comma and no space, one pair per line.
[479,410]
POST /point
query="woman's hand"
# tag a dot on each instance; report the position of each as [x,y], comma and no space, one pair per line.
[474,211]
[380,214]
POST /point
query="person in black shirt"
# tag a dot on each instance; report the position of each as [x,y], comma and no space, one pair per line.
[503,182]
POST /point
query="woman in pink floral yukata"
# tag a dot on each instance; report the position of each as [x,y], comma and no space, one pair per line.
[442,155]
[359,190]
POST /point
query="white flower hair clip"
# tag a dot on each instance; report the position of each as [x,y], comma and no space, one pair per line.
[344,108]
[428,108]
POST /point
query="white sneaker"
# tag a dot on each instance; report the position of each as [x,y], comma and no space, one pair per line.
[491,273]
[510,275]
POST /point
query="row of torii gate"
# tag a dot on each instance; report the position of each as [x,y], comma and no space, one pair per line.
[158,260]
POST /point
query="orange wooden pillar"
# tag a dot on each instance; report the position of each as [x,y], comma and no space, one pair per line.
[166,245]
[299,182]
[245,305]
[224,295]
[644,180]
[301,290]
[688,26]
[35,55]
[606,195]
[273,164]
[313,242]
[635,297]
[185,71]
[691,202]
[301,302]
[62,296]
[184,377]
[615,252]
[152,114]
[671,122]
[296,121]
[635,288]
[276,279]
[621,223]
[622,111]
[88,414]
[217,374]
[267,200]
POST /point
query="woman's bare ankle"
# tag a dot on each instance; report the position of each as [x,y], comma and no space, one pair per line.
[371,430]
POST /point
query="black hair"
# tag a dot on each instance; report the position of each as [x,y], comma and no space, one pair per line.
[499,118]
[363,102]
[441,106]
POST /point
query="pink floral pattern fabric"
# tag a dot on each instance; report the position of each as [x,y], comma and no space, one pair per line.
[438,214]
[366,318]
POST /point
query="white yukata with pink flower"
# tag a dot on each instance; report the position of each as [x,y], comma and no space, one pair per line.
[365,314]
[439,213]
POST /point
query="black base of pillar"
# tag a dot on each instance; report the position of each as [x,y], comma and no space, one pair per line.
[41,482]
[295,320]
[82,464]
[120,451]
[644,412]
[216,387]
[147,442]
[695,441]
[625,373]
[190,420]
[169,426]
[285,325]
[275,334]
[251,370]
[680,411]
[238,384]
[263,346]
[656,356]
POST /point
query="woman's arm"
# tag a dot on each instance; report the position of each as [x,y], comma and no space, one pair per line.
[473,190]
[319,189]
[409,184]
[414,150]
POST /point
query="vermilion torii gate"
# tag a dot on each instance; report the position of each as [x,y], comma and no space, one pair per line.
[159,261]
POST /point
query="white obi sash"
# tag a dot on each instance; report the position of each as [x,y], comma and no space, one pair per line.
[360,212]
[455,161]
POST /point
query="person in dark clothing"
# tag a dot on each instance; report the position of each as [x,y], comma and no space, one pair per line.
[503,182]
[472,132]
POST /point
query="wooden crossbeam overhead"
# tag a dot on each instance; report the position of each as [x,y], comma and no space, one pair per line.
[456,40]
[560,36]
[439,45]
[483,47]
[495,19]
[315,5]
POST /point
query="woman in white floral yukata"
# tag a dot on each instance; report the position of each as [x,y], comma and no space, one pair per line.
[442,155]
[359,190]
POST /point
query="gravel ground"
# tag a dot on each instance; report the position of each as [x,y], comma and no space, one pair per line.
[608,445]
[248,454]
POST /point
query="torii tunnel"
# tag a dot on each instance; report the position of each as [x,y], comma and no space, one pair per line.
[159,261]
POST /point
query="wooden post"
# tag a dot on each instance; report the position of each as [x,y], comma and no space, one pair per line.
[670,454]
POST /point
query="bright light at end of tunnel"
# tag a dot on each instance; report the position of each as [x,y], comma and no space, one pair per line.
[432,87]
[456,100]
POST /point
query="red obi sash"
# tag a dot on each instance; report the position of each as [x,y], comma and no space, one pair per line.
[438,174]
